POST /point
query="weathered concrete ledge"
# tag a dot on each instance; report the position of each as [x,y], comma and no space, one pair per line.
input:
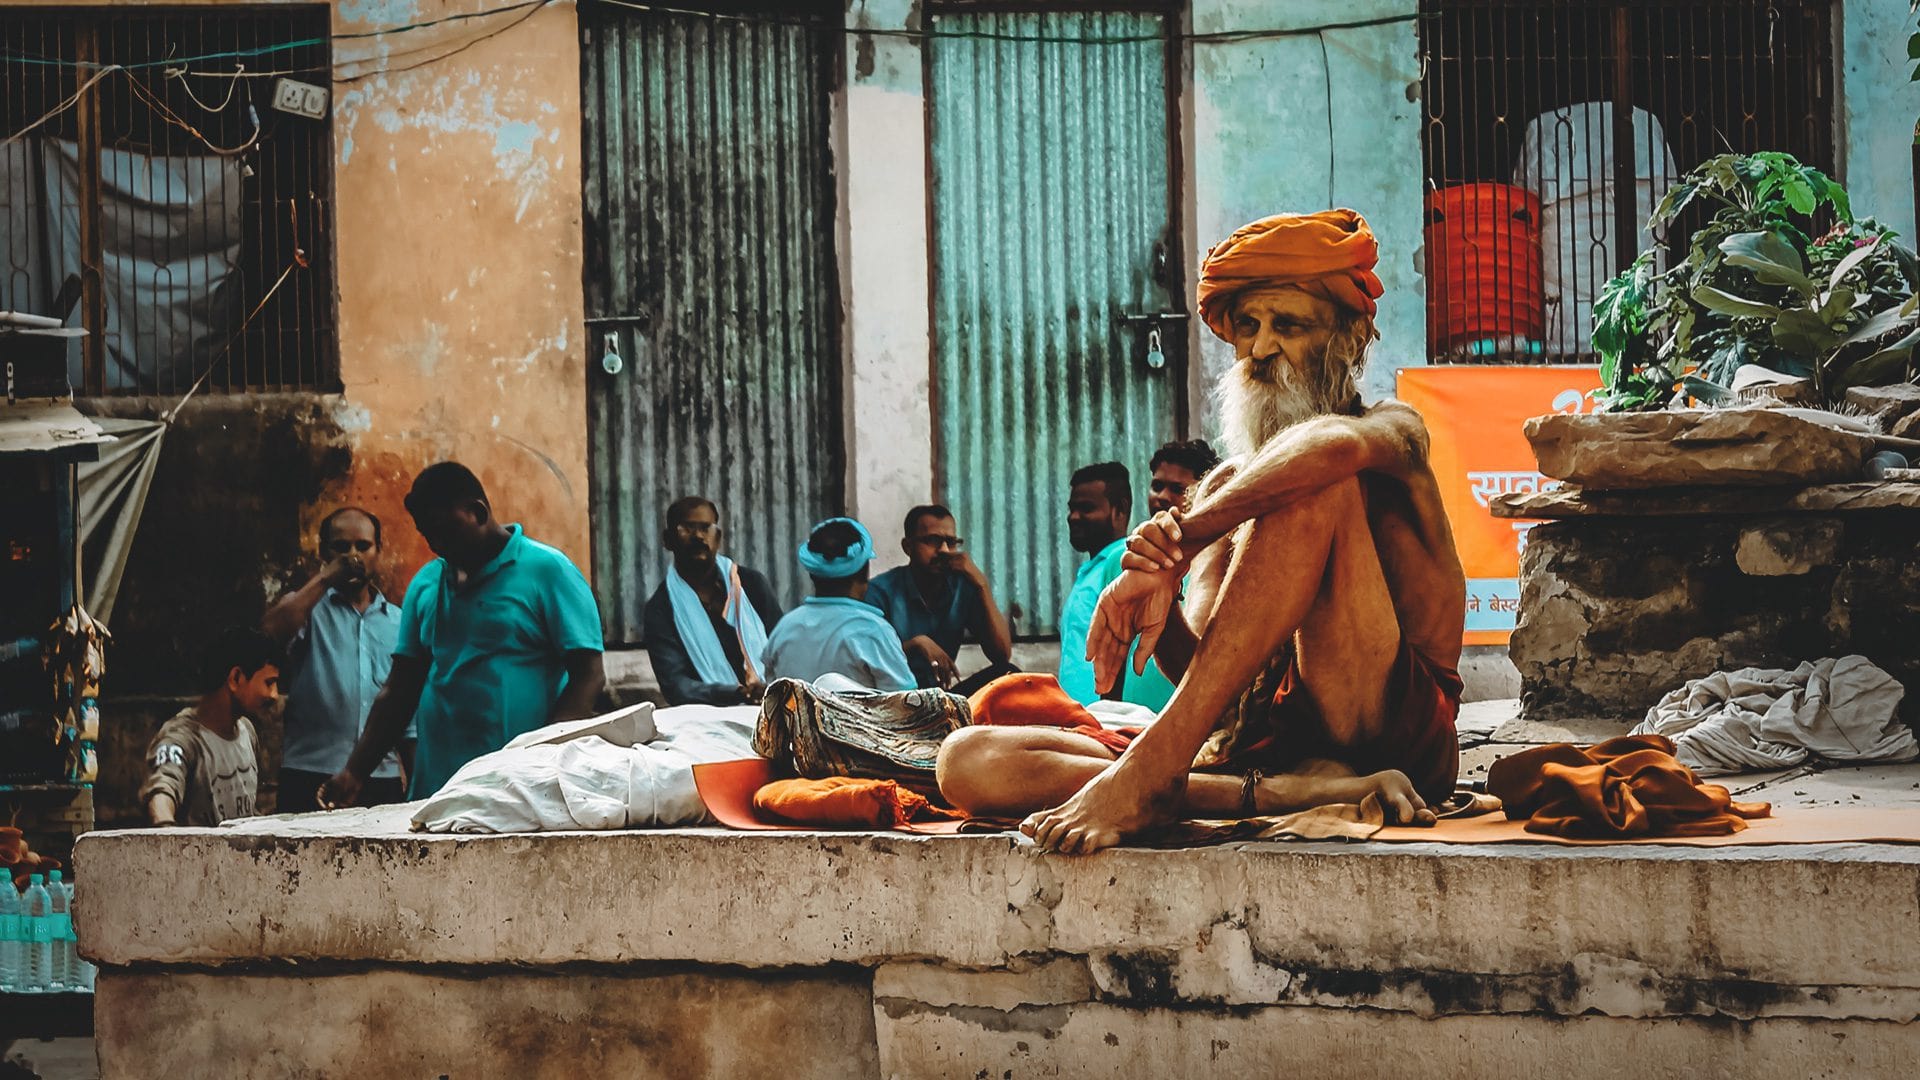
[936,955]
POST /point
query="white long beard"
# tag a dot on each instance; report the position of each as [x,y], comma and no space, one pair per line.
[1253,411]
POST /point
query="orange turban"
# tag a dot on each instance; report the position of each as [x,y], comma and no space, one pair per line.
[1331,254]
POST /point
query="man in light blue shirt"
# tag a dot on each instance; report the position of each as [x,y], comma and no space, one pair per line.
[835,631]
[499,636]
[1099,512]
[338,632]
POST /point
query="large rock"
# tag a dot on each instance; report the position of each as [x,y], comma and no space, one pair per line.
[1887,403]
[1617,611]
[1711,447]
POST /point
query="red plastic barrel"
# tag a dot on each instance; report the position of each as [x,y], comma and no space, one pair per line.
[1483,265]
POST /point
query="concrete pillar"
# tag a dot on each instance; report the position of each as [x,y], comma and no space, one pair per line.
[884,259]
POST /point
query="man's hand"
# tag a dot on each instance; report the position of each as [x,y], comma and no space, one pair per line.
[752,691]
[962,563]
[344,570]
[1135,605]
[936,657]
[1155,545]
[340,791]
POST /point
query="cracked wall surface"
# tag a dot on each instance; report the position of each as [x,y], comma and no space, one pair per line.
[976,950]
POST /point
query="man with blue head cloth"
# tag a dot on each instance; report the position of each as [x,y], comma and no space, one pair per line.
[835,631]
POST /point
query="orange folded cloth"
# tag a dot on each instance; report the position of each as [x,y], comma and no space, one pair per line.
[1626,787]
[1331,253]
[1029,699]
[847,800]
[18,861]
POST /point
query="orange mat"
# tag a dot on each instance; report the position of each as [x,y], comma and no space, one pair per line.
[1793,825]
[727,788]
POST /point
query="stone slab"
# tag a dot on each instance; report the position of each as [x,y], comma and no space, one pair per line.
[1868,785]
[1100,1041]
[402,1025]
[1576,502]
[359,889]
[1685,448]
[1478,720]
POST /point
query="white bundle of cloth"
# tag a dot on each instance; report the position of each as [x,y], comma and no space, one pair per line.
[626,770]
[1756,719]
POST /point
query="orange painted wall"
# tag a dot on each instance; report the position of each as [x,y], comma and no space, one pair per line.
[457,191]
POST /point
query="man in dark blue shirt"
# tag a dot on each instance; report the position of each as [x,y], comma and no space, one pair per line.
[938,600]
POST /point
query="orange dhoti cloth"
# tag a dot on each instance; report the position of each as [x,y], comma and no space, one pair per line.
[1626,787]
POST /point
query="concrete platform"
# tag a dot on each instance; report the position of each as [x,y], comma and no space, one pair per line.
[344,945]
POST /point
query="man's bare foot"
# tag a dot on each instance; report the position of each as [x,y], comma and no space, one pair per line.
[1116,805]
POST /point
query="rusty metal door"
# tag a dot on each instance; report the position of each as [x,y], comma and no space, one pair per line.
[712,354]
[1058,333]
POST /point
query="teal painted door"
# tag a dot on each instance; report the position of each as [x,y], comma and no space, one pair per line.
[1053,224]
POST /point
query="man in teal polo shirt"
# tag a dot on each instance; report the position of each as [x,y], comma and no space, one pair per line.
[1099,512]
[498,636]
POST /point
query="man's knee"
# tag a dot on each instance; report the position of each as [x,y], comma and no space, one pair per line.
[970,762]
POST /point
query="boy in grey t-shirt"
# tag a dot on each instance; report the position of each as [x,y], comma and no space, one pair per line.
[203,765]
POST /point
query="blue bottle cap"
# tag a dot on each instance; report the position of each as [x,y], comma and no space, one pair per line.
[36,879]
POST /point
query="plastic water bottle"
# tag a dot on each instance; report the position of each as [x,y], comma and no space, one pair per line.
[80,973]
[40,928]
[60,976]
[13,933]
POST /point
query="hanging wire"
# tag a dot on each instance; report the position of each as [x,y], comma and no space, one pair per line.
[62,107]
[1222,37]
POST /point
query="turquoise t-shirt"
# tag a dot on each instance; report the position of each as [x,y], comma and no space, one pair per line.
[496,652]
[1076,622]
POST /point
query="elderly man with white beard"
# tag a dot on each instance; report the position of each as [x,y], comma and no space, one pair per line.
[1316,648]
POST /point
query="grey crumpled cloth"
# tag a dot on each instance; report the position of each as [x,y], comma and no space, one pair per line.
[1756,719]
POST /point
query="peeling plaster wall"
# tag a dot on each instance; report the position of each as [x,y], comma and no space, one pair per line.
[457,192]
[1878,108]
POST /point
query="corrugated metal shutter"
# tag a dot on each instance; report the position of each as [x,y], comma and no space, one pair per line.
[1052,207]
[709,233]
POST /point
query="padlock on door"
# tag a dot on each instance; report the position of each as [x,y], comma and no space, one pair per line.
[611,362]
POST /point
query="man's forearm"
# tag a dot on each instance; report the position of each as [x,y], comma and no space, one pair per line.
[581,698]
[997,642]
[386,723]
[161,809]
[290,613]
[1301,461]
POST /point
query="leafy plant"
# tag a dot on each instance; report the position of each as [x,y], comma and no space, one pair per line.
[1754,288]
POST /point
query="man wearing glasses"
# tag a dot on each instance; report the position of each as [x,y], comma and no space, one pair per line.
[939,599]
[706,625]
[338,632]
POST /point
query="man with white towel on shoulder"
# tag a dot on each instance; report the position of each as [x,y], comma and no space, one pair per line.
[706,625]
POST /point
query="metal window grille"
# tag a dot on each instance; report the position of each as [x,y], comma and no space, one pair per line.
[1552,127]
[194,257]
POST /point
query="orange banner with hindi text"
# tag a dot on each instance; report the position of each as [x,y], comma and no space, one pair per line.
[1475,414]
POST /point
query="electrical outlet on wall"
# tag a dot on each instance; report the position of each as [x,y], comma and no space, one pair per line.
[300,99]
